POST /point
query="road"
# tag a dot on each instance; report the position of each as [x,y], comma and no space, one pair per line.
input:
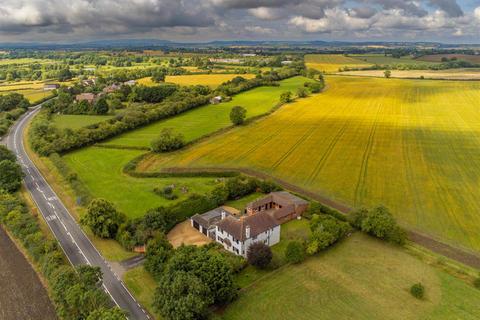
[76,245]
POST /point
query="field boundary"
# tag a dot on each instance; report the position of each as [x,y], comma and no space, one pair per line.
[460,255]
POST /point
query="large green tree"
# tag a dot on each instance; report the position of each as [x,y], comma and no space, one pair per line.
[168,141]
[102,218]
[238,115]
[11,176]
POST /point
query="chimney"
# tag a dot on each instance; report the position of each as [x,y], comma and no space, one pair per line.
[224,214]
[247,232]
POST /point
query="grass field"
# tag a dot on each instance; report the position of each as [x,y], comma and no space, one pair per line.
[451,74]
[438,57]
[101,171]
[360,278]
[332,62]
[412,145]
[72,121]
[142,286]
[204,120]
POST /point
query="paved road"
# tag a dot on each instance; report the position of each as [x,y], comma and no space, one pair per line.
[77,247]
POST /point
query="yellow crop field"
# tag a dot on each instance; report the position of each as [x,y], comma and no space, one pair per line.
[211,80]
[329,63]
[451,74]
[412,145]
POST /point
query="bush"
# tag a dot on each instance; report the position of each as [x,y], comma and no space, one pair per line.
[417,290]
[166,192]
[286,97]
[379,223]
[302,93]
[11,176]
[238,115]
[259,255]
[326,230]
[476,283]
[168,141]
[295,252]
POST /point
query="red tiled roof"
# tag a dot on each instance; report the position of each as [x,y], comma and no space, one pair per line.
[258,224]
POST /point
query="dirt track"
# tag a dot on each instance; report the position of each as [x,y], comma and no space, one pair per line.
[457,254]
[22,294]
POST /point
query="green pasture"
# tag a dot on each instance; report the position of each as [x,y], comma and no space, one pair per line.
[73,121]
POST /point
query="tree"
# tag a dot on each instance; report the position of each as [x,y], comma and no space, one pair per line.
[295,252]
[168,141]
[101,106]
[158,76]
[6,154]
[102,218]
[11,176]
[182,296]
[380,223]
[387,74]
[417,290]
[238,115]
[159,250]
[107,314]
[302,93]
[259,255]
[286,97]
[476,283]
[64,75]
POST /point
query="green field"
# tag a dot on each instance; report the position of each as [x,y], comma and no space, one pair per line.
[204,120]
[384,60]
[412,145]
[100,170]
[72,121]
[142,285]
[360,278]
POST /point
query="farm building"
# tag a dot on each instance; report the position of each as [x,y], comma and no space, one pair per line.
[205,223]
[51,86]
[130,83]
[282,206]
[89,82]
[236,235]
[112,88]
[89,97]
[216,100]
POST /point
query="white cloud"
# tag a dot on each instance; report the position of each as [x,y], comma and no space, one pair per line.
[265,13]
[477,13]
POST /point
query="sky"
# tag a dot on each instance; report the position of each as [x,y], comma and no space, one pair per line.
[449,21]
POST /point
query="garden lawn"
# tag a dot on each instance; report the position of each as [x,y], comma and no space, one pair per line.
[100,169]
[73,121]
[359,278]
[210,118]
[412,145]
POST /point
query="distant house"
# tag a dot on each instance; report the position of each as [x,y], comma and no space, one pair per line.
[205,223]
[236,235]
[225,60]
[287,62]
[50,86]
[130,83]
[282,206]
[216,100]
[89,97]
[89,82]
[112,88]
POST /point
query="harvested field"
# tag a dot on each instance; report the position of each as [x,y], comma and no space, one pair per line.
[23,295]
[438,57]
[184,233]
[333,62]
[452,74]
[412,145]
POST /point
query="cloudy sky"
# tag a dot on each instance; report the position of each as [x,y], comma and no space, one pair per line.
[455,21]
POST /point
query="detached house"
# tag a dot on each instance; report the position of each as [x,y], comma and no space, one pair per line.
[87,96]
[236,235]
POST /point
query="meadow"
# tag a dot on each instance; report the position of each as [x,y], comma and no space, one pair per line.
[74,121]
[100,170]
[360,278]
[384,60]
[329,63]
[438,57]
[412,145]
[210,118]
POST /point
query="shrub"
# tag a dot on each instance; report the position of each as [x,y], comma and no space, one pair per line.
[326,230]
[379,223]
[259,255]
[286,97]
[168,141]
[11,176]
[417,290]
[238,115]
[302,93]
[295,252]
[476,283]
[166,192]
